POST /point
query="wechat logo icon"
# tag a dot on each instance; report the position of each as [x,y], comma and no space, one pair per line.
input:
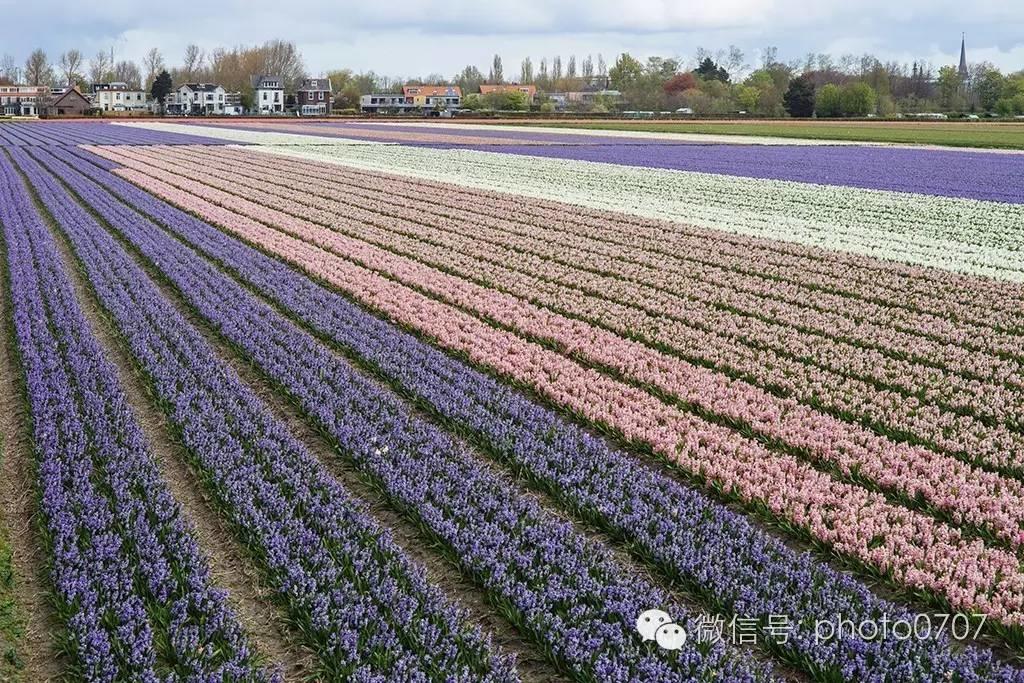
[656,625]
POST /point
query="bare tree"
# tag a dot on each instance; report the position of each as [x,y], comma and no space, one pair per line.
[37,69]
[70,63]
[570,70]
[226,68]
[9,69]
[587,68]
[556,69]
[193,61]
[128,72]
[602,68]
[735,63]
[769,56]
[99,67]
[154,64]
[281,58]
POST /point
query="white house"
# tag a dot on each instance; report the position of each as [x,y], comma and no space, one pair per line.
[118,97]
[268,95]
[23,100]
[386,102]
[196,99]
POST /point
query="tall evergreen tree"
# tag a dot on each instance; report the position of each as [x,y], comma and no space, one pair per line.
[707,70]
[799,98]
[162,86]
[526,71]
[497,73]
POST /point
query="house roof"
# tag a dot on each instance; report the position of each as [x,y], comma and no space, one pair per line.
[432,91]
[70,93]
[199,87]
[530,90]
[266,82]
[113,85]
[315,85]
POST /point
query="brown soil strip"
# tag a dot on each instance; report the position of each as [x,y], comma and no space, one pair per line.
[230,567]
[19,512]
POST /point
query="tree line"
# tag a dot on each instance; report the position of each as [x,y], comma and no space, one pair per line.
[818,84]
[709,83]
[232,68]
[723,82]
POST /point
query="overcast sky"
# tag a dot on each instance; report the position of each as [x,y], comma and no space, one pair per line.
[417,37]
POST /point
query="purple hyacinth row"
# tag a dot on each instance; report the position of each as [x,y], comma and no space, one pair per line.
[565,591]
[993,177]
[67,133]
[714,551]
[131,582]
[366,610]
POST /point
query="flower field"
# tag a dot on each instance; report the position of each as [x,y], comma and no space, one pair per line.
[466,402]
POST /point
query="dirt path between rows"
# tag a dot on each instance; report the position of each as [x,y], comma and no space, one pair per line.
[230,568]
[19,511]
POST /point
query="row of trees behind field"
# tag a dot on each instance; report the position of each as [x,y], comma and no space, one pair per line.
[233,68]
[724,82]
[709,83]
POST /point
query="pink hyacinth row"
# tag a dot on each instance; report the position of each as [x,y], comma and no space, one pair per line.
[997,446]
[916,549]
[894,330]
[962,435]
[969,495]
[949,295]
[952,381]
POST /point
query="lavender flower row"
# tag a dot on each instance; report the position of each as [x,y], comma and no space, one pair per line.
[565,591]
[715,552]
[369,613]
[69,133]
[992,177]
[133,585]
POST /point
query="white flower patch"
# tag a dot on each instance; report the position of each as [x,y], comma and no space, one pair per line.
[963,235]
[244,136]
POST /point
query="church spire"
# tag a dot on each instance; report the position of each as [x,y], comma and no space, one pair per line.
[963,57]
